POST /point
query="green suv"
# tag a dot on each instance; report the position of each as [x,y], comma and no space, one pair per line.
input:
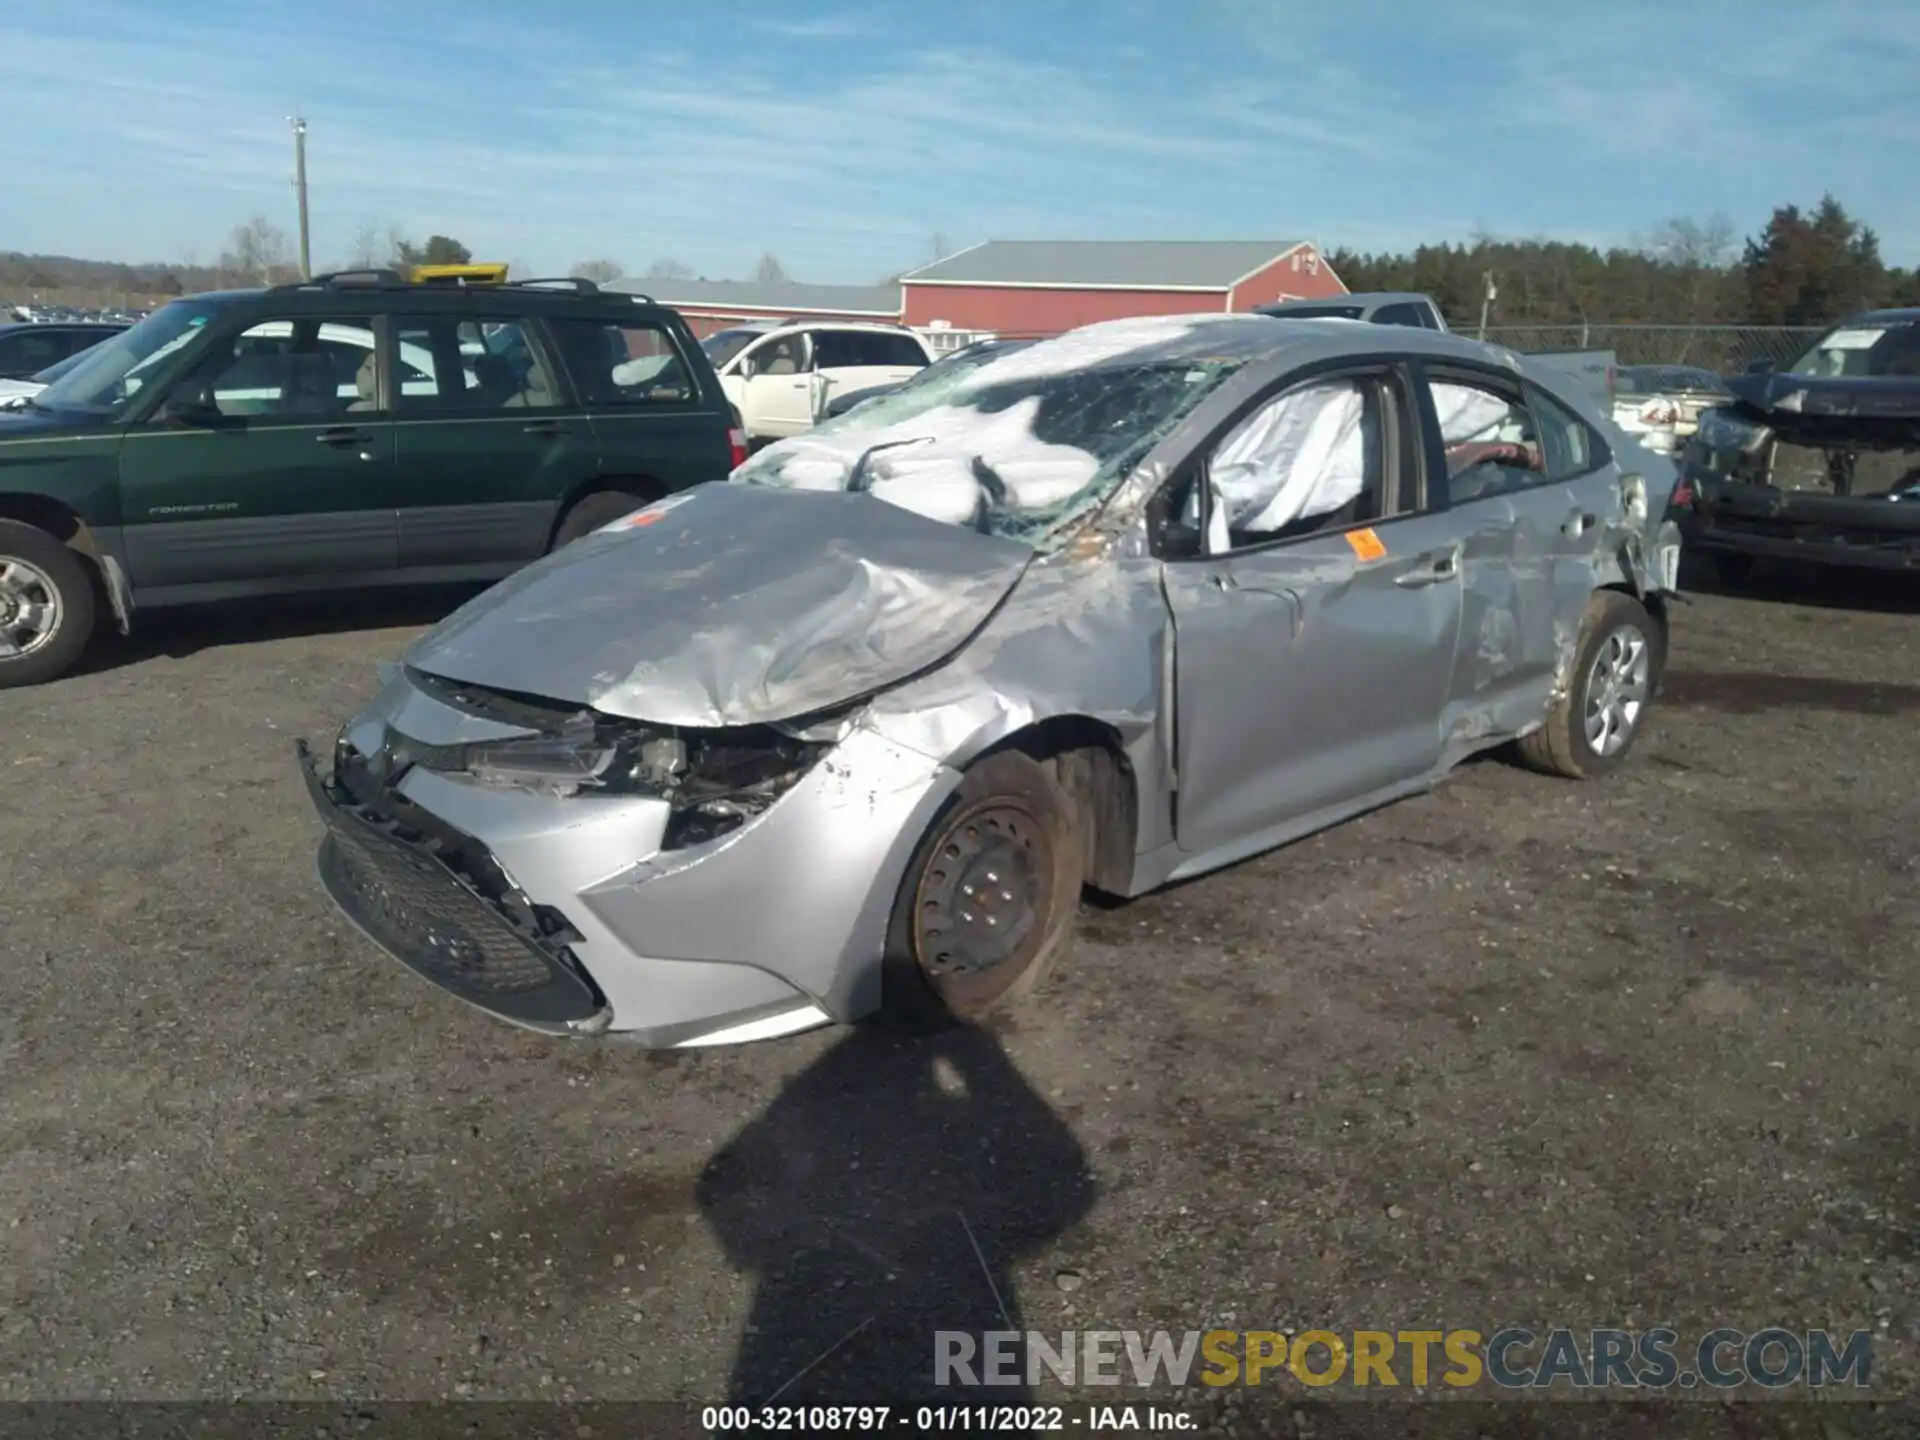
[351,430]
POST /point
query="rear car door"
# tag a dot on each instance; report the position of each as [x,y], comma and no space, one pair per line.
[848,360]
[287,482]
[1528,494]
[1317,620]
[660,420]
[488,440]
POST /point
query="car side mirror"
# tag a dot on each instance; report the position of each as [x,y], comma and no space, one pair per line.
[190,404]
[1760,367]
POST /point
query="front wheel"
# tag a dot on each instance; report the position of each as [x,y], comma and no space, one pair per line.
[590,512]
[1590,728]
[46,606]
[990,896]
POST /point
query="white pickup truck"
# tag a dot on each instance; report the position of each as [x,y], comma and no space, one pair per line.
[781,376]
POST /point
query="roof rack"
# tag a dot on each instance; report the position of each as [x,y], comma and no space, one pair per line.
[576,283]
[376,278]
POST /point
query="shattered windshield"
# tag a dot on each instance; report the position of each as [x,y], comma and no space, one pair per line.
[113,371]
[1026,442]
[1863,350]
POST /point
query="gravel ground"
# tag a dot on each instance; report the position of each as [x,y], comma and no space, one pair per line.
[1519,1052]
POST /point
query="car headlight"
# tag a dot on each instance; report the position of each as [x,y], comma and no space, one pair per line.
[714,780]
[1724,430]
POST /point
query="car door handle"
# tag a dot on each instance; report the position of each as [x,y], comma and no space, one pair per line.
[1578,524]
[541,427]
[341,435]
[1430,569]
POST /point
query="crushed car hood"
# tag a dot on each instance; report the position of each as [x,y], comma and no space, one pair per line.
[731,604]
[1815,410]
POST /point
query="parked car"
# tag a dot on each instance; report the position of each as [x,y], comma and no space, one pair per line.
[782,375]
[851,730]
[1819,461]
[1378,308]
[1593,370]
[29,348]
[946,367]
[1660,405]
[256,442]
[14,394]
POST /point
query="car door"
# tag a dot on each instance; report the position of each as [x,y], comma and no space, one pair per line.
[1527,530]
[777,398]
[488,440]
[1316,623]
[281,483]
[28,349]
[854,359]
[655,426]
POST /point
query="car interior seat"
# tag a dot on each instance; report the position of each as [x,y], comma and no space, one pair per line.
[365,385]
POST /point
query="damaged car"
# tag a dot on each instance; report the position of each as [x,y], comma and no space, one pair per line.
[850,731]
[1819,461]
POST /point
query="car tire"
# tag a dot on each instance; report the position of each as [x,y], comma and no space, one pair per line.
[47,606]
[1591,729]
[958,951]
[590,512]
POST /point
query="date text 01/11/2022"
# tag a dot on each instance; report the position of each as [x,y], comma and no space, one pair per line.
[936,1419]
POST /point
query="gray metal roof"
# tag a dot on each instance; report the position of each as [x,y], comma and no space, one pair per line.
[1145,264]
[784,298]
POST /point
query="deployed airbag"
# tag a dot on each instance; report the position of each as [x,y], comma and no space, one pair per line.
[1467,414]
[1301,456]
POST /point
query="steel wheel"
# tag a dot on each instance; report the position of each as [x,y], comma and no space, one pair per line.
[30,608]
[1618,684]
[989,896]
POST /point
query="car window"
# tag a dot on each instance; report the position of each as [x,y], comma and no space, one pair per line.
[25,351]
[1570,447]
[1489,439]
[845,349]
[624,364]
[292,369]
[1402,314]
[469,366]
[781,355]
[1307,462]
[1862,349]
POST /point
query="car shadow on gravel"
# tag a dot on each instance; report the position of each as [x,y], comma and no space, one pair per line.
[189,630]
[883,1197]
[1823,587]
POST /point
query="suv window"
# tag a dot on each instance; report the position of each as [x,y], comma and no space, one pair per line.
[1404,313]
[1489,438]
[472,366]
[1571,447]
[623,364]
[296,369]
[848,349]
[25,352]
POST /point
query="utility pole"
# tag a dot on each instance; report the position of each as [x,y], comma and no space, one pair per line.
[1486,302]
[300,191]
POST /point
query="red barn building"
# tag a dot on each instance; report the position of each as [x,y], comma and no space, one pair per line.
[1041,287]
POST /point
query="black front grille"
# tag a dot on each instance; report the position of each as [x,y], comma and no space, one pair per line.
[419,908]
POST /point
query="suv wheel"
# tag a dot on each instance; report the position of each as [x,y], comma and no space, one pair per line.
[46,605]
[590,512]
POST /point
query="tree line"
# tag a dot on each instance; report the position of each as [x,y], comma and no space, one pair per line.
[1805,267]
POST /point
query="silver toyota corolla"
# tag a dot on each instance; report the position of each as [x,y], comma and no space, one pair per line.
[851,729]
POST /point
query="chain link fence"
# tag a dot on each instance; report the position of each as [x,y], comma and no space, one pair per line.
[1724,348]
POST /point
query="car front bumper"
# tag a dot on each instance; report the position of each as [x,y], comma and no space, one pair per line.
[566,914]
[1871,532]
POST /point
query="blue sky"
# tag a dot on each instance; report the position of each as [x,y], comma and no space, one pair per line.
[844,134]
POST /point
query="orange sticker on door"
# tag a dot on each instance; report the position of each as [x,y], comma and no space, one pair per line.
[1366,544]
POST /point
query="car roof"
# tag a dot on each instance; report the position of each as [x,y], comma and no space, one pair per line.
[521,298]
[1902,314]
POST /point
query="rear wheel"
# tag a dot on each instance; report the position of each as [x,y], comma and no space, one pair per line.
[990,896]
[46,605]
[590,512]
[1590,729]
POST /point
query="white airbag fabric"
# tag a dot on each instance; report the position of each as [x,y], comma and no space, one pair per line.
[1303,455]
[1467,414]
